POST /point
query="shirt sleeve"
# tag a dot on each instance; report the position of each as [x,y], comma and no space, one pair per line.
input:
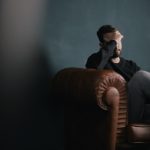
[93,61]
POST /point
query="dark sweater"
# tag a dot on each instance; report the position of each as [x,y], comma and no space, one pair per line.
[102,60]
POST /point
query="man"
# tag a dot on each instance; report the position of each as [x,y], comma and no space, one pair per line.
[108,57]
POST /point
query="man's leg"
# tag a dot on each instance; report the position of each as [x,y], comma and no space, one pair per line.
[138,95]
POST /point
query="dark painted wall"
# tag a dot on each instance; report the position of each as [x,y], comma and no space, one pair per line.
[72,25]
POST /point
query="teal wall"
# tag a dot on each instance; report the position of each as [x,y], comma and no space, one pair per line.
[72,25]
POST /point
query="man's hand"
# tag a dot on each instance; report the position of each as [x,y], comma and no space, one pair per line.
[117,36]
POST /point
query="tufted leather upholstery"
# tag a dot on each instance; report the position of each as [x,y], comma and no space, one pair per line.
[95,105]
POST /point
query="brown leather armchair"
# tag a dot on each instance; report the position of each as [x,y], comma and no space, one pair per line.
[95,110]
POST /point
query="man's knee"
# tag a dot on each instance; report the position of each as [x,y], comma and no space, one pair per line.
[141,74]
[141,77]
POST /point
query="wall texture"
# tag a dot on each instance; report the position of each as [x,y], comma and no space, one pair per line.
[72,25]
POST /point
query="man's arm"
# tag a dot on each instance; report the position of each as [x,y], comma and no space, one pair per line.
[100,59]
[107,53]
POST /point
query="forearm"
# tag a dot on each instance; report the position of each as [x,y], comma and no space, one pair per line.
[106,54]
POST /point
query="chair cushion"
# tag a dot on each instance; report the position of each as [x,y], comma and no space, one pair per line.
[139,133]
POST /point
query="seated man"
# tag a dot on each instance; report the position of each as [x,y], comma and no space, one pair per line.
[108,57]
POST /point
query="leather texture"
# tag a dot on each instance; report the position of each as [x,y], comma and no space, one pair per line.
[139,133]
[95,108]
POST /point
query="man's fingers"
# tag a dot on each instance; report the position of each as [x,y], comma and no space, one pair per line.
[113,36]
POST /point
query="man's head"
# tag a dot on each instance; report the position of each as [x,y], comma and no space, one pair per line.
[107,33]
[103,30]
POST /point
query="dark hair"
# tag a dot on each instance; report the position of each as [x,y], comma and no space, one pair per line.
[103,30]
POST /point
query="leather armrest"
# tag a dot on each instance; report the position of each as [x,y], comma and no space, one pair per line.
[88,85]
[109,79]
[105,88]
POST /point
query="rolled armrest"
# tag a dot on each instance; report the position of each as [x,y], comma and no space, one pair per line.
[105,88]
[88,85]
[106,80]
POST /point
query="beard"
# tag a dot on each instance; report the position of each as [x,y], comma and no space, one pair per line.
[117,53]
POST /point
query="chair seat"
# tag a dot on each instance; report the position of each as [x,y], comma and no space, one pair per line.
[139,133]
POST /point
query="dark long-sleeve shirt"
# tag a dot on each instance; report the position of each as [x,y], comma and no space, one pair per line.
[101,60]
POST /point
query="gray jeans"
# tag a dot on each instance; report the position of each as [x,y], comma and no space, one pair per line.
[139,97]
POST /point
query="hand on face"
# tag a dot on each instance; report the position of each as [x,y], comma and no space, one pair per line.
[117,36]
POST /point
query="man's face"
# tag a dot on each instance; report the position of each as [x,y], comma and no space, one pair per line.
[118,49]
[117,36]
